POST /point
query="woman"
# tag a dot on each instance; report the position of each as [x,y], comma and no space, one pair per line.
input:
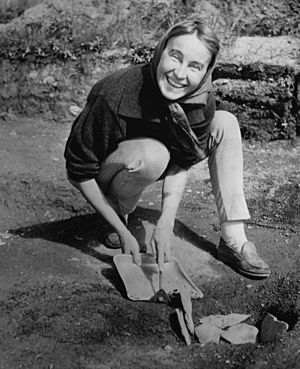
[153,122]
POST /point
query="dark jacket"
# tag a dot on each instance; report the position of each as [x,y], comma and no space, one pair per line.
[124,105]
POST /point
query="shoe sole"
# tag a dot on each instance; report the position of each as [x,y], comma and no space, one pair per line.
[241,271]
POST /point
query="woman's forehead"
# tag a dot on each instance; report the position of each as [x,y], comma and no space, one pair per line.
[190,46]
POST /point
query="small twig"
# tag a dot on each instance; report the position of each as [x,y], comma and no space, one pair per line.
[264,225]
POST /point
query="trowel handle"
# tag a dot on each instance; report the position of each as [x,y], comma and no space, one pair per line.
[160,280]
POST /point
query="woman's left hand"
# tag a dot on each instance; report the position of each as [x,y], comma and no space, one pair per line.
[161,245]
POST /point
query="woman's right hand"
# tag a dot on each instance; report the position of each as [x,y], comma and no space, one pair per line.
[161,245]
[130,246]
[95,196]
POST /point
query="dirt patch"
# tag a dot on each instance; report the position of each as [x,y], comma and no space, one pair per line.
[62,303]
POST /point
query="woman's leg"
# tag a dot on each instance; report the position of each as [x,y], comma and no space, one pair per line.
[133,166]
[226,172]
[226,167]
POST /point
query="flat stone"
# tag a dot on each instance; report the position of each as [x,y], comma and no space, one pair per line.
[186,301]
[281,50]
[208,333]
[271,327]
[224,321]
[184,330]
[240,333]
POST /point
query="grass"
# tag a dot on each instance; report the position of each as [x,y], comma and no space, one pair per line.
[66,32]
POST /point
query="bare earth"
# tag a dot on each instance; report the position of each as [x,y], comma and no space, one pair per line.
[62,303]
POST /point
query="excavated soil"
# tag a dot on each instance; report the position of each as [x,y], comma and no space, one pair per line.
[62,303]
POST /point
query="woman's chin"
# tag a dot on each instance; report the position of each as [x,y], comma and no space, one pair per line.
[172,94]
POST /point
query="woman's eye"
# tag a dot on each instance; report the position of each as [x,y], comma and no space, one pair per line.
[175,56]
[196,67]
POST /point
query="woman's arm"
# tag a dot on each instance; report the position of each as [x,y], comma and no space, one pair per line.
[173,187]
[94,195]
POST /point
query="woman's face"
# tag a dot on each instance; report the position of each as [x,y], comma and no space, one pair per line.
[182,66]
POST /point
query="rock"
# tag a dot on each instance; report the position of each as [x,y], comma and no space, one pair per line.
[240,333]
[74,110]
[186,301]
[250,50]
[207,333]
[50,80]
[271,327]
[33,74]
[228,327]
[261,364]
[224,321]
[168,349]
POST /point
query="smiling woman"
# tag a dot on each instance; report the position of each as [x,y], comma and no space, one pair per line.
[182,66]
[153,122]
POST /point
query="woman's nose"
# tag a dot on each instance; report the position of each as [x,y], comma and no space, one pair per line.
[180,72]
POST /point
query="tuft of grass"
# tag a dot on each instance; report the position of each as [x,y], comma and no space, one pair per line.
[67,32]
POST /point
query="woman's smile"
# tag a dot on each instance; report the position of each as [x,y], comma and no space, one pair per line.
[174,83]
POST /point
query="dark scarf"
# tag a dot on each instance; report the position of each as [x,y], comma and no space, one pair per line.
[185,140]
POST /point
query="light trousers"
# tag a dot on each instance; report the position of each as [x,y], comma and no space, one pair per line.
[139,162]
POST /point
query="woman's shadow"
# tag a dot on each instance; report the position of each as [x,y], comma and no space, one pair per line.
[85,233]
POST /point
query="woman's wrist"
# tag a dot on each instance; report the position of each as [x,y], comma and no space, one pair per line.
[165,224]
[123,232]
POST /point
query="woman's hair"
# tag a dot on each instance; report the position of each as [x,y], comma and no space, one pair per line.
[189,27]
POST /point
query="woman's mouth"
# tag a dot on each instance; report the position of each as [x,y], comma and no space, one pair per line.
[174,83]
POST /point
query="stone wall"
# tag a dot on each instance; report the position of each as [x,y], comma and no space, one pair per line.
[262,96]
[257,78]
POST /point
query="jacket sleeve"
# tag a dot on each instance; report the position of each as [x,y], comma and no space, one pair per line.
[94,135]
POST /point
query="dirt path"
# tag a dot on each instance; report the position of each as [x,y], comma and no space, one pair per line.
[62,304]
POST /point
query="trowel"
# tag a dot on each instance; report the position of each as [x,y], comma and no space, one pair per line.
[161,295]
[146,283]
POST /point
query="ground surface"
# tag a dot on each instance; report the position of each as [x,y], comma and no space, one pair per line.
[62,304]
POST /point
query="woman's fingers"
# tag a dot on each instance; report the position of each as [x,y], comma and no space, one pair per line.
[131,246]
[153,245]
[136,257]
[160,244]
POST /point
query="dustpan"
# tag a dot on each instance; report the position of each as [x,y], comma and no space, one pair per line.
[142,282]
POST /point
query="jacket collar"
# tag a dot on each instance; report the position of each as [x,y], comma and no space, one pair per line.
[142,100]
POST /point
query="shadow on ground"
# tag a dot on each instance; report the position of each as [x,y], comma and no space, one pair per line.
[85,233]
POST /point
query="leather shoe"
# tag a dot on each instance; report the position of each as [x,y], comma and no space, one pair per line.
[246,262]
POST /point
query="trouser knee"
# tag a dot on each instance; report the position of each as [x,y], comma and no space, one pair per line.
[153,159]
[130,169]
[224,127]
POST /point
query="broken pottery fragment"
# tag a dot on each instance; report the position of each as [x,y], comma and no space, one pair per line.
[224,321]
[207,333]
[271,327]
[184,330]
[186,302]
[240,333]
